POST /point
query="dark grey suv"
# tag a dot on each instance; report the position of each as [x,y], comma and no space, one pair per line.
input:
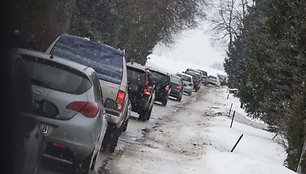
[141,91]
[161,81]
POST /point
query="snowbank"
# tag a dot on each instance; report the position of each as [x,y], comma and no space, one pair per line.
[256,153]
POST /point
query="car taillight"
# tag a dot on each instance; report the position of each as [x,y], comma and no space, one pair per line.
[167,88]
[190,84]
[120,100]
[59,145]
[88,109]
[178,87]
[147,89]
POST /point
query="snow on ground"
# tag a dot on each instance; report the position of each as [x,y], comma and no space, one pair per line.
[256,153]
[196,139]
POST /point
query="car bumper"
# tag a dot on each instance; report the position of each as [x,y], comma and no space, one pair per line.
[80,134]
[160,96]
[188,89]
[175,93]
[138,105]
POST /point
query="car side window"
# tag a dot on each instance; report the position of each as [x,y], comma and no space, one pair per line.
[97,88]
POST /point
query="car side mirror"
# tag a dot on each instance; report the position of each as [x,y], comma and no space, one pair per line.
[111,104]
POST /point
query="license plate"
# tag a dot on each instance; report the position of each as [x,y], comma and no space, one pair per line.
[44,129]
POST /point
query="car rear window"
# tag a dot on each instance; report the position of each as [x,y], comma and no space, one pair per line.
[56,76]
[204,73]
[160,78]
[136,77]
[106,61]
[176,80]
[185,78]
[212,77]
[194,75]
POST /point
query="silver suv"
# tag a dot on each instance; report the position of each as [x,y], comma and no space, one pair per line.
[110,65]
[187,82]
[68,101]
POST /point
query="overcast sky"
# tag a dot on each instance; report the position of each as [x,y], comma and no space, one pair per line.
[193,46]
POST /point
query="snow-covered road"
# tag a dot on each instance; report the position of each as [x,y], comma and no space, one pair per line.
[193,137]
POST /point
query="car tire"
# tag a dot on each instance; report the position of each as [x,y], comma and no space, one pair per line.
[197,89]
[82,166]
[125,125]
[165,101]
[111,137]
[143,115]
[190,93]
[179,98]
[149,113]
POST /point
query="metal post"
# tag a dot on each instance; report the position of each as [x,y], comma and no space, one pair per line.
[237,142]
[229,114]
[232,119]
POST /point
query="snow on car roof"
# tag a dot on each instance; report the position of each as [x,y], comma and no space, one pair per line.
[136,65]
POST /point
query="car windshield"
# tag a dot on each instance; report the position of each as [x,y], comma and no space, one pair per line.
[56,76]
[107,62]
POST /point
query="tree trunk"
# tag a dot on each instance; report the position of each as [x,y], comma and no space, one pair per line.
[299,168]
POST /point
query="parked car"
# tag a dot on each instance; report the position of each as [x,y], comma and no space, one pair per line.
[198,72]
[196,77]
[187,82]
[141,91]
[213,80]
[110,66]
[223,79]
[161,81]
[176,84]
[26,138]
[204,77]
[68,102]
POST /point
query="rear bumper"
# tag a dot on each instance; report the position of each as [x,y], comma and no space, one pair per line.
[175,93]
[160,96]
[188,89]
[139,105]
[79,134]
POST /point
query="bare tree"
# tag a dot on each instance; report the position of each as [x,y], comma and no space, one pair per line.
[227,22]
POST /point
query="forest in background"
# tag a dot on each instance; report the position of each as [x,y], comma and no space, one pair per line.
[135,25]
